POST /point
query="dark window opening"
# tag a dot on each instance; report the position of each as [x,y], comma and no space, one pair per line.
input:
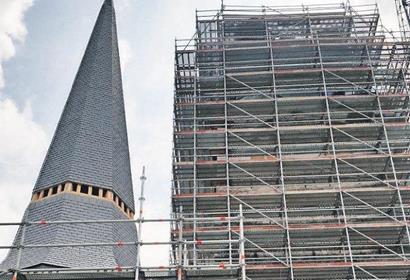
[62,188]
[115,197]
[84,189]
[54,190]
[104,193]
[45,193]
[95,191]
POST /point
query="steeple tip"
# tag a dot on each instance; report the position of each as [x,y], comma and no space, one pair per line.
[108,3]
[90,145]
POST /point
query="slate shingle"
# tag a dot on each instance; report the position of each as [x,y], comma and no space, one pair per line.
[73,207]
[90,145]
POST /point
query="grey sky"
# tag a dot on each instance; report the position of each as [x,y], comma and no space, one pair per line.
[38,79]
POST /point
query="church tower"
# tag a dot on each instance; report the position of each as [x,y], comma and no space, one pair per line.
[85,176]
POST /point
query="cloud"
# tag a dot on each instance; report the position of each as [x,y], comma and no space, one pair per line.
[12,29]
[23,144]
[22,141]
[1,78]
[125,52]
[122,5]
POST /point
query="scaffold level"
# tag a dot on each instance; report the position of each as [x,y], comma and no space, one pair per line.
[301,115]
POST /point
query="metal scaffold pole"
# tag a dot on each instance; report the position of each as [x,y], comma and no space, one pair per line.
[180,247]
[226,127]
[242,252]
[143,178]
[334,152]
[20,250]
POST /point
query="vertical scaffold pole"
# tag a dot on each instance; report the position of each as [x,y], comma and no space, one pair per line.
[242,262]
[335,158]
[180,253]
[228,184]
[140,219]
[20,251]
[195,190]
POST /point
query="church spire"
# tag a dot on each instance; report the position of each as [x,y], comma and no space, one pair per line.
[90,144]
[86,174]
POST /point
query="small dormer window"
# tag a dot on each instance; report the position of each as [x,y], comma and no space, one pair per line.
[54,190]
[94,191]
[84,189]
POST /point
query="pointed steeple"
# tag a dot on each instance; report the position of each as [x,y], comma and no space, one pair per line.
[90,143]
[90,148]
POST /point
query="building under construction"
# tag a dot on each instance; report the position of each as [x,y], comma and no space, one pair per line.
[300,115]
[291,155]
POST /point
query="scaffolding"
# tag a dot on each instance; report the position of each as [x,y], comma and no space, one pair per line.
[137,272]
[291,152]
[403,16]
[301,115]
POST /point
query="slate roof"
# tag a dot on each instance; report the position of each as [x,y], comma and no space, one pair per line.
[76,276]
[90,144]
[73,207]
